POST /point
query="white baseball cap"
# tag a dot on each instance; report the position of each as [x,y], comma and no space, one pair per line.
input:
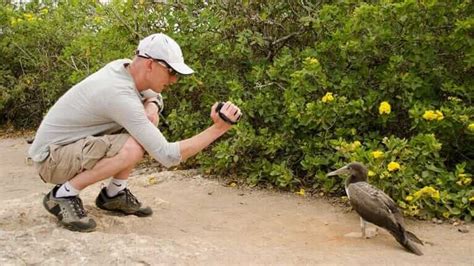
[161,47]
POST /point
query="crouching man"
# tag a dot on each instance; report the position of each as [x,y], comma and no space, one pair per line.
[77,143]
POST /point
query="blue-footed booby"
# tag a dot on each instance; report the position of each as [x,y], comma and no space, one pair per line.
[376,207]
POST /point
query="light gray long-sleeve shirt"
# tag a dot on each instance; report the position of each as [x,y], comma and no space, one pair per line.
[103,103]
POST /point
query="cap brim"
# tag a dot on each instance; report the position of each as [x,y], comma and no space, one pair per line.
[182,68]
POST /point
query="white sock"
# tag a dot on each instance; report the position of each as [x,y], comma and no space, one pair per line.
[67,190]
[115,186]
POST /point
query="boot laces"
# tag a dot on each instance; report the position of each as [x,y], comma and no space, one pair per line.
[130,198]
[76,204]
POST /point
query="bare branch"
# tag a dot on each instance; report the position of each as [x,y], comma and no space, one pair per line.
[74,63]
[122,21]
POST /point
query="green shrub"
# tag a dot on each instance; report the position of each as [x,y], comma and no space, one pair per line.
[386,83]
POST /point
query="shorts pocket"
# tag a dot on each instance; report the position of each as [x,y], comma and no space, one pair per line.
[63,164]
[94,149]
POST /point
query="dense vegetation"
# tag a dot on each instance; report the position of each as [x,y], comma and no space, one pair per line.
[387,83]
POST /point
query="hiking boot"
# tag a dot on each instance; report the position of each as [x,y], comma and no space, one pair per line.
[124,202]
[69,211]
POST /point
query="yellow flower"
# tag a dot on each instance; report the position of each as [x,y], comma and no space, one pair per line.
[464,180]
[312,61]
[356,144]
[471,199]
[429,191]
[371,173]
[418,194]
[393,166]
[446,214]
[152,180]
[98,19]
[328,97]
[350,146]
[429,115]
[377,154]
[433,115]
[28,16]
[467,181]
[233,184]
[301,192]
[435,195]
[385,108]
[413,210]
[464,118]
[471,127]
[409,198]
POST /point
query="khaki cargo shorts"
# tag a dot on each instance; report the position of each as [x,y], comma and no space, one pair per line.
[65,162]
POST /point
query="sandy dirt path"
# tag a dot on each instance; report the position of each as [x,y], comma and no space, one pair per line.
[201,221]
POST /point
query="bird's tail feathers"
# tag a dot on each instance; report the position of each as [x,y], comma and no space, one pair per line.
[413,238]
[410,246]
[407,240]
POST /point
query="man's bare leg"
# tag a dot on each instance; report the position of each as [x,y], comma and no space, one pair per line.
[116,196]
[118,166]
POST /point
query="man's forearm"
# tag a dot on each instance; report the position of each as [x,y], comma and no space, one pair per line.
[189,147]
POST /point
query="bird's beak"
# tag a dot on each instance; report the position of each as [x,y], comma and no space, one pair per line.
[340,171]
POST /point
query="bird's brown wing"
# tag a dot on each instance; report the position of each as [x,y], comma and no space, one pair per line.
[374,206]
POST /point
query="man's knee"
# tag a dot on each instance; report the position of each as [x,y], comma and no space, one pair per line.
[132,151]
[153,118]
[152,115]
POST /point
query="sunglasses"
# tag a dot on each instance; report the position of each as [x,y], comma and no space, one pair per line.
[161,62]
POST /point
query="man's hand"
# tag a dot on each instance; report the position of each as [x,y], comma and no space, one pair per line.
[189,147]
[229,110]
